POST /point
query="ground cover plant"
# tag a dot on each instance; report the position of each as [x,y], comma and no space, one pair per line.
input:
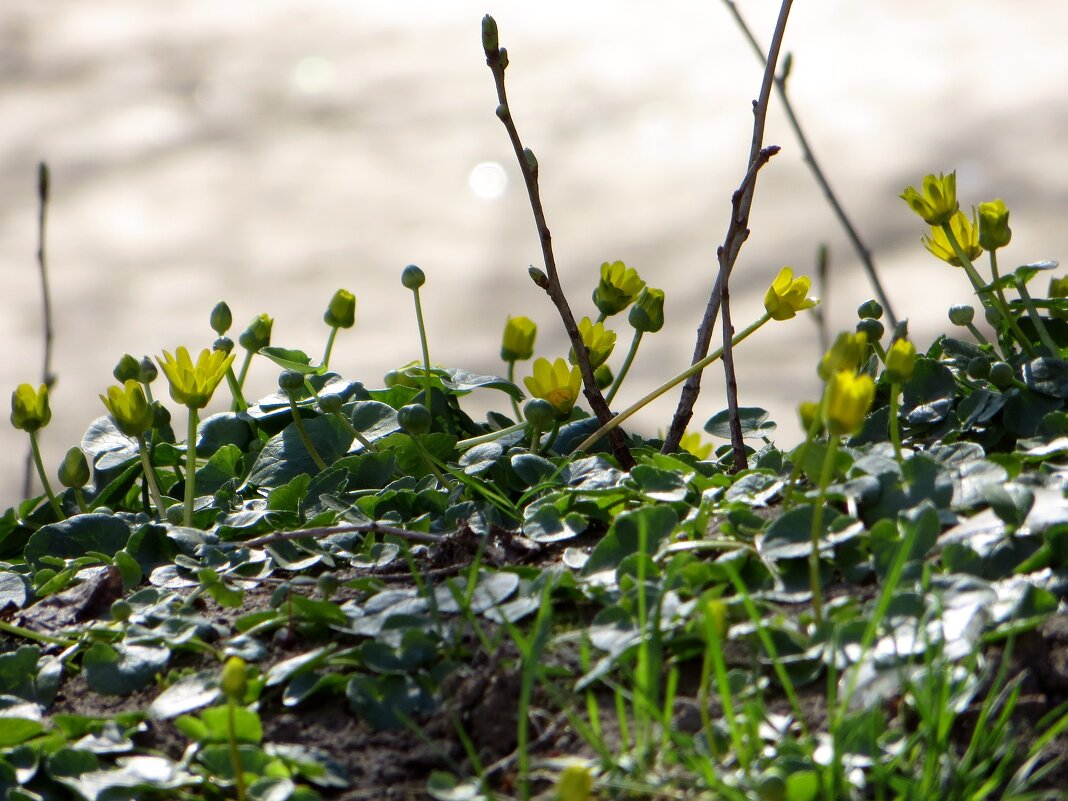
[351,588]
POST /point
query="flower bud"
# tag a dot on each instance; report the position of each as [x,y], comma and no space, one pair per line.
[937,203]
[965,231]
[341,313]
[574,784]
[992,317]
[517,344]
[978,367]
[74,469]
[121,610]
[871,328]
[225,344]
[603,376]
[1001,375]
[809,412]
[994,231]
[1058,287]
[126,369]
[961,315]
[598,340]
[290,381]
[531,160]
[233,680]
[846,353]
[788,295]
[539,413]
[414,419]
[647,313]
[257,335]
[490,41]
[870,310]
[327,584]
[29,409]
[221,319]
[331,403]
[617,289]
[900,361]
[149,371]
[129,408]
[849,398]
[412,277]
[538,276]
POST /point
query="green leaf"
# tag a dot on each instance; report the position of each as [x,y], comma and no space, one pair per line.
[188,693]
[463,381]
[659,485]
[19,721]
[284,456]
[928,396]
[1047,376]
[122,669]
[247,726]
[373,419]
[384,702]
[291,359]
[223,466]
[755,423]
[544,523]
[224,428]
[76,536]
[625,534]
[14,590]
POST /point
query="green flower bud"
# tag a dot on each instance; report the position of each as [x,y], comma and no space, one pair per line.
[978,367]
[617,289]
[224,344]
[575,783]
[517,344]
[993,317]
[937,203]
[539,413]
[961,315]
[127,368]
[603,376]
[809,412]
[221,319]
[149,371]
[257,335]
[327,584]
[900,361]
[331,403]
[341,313]
[129,408]
[872,329]
[538,276]
[414,419]
[29,409]
[1058,287]
[530,159]
[74,469]
[412,277]
[398,378]
[994,231]
[290,381]
[849,399]
[870,310]
[121,610]
[502,54]
[233,680]
[1001,375]
[647,313]
[490,41]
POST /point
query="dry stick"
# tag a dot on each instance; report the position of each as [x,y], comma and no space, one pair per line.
[325,531]
[817,172]
[737,233]
[47,378]
[497,60]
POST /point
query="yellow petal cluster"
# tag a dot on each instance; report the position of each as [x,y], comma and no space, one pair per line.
[937,202]
[965,231]
[192,385]
[788,295]
[849,399]
[29,407]
[129,408]
[557,382]
[599,340]
[517,344]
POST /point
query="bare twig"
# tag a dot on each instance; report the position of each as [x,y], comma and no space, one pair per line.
[497,60]
[737,233]
[810,158]
[47,377]
[325,531]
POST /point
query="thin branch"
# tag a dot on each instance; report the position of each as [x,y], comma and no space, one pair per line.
[737,445]
[810,158]
[737,233]
[325,531]
[47,377]
[497,60]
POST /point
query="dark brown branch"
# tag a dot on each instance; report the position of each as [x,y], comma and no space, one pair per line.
[863,253]
[497,60]
[737,233]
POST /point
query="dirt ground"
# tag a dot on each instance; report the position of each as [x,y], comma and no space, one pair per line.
[269,153]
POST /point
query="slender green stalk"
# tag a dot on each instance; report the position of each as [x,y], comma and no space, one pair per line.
[634,343]
[240,404]
[35,449]
[1036,318]
[993,301]
[298,421]
[975,332]
[430,464]
[244,369]
[190,465]
[150,477]
[895,433]
[423,344]
[329,346]
[36,636]
[492,435]
[511,380]
[817,528]
[235,755]
[535,439]
[696,367]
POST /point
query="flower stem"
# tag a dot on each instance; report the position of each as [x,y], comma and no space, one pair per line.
[298,421]
[1036,319]
[634,343]
[329,346]
[423,344]
[511,380]
[36,636]
[190,466]
[235,755]
[817,528]
[240,404]
[35,448]
[150,477]
[492,435]
[895,434]
[696,367]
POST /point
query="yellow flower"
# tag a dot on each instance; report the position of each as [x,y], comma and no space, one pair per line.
[598,339]
[29,409]
[809,412]
[994,231]
[938,202]
[517,343]
[967,236]
[845,354]
[618,287]
[900,361]
[574,784]
[849,400]
[129,408]
[788,295]
[1058,287]
[557,383]
[691,442]
[193,385]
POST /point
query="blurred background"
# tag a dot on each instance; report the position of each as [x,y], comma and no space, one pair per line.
[267,153]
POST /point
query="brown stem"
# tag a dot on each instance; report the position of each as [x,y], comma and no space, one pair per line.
[737,446]
[47,378]
[817,172]
[497,60]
